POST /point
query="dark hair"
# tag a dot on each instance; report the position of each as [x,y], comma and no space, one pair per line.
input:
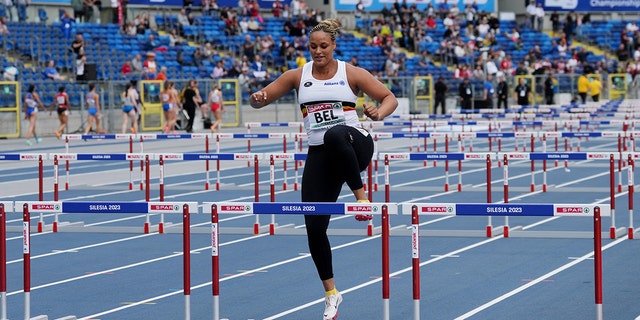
[32,88]
[92,86]
[61,89]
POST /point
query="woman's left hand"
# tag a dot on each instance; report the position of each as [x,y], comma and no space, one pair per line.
[371,111]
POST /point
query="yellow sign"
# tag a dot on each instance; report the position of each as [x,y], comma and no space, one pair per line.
[152,114]
[10,113]
[231,100]
[617,86]
[423,91]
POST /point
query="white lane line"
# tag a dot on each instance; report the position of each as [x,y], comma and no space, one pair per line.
[535,281]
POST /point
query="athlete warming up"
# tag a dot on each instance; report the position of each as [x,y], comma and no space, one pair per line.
[339,148]
[93,110]
[61,103]
[32,103]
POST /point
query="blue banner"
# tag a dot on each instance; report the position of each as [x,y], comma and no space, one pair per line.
[592,5]
[504,210]
[558,156]
[102,156]
[298,208]
[264,4]
[376,5]
[105,207]
[208,156]
[10,156]
[436,156]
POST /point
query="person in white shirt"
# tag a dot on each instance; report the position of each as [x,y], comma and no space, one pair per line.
[540,16]
[531,13]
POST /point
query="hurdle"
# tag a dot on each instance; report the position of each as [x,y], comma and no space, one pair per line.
[100,137]
[184,208]
[40,157]
[383,209]
[5,206]
[249,157]
[488,158]
[144,159]
[470,209]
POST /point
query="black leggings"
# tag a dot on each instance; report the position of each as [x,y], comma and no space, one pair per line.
[346,152]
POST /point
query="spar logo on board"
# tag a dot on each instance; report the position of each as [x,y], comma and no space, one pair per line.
[45,206]
[437,209]
[164,207]
[361,208]
[597,156]
[572,210]
[518,156]
[29,157]
[235,208]
[172,156]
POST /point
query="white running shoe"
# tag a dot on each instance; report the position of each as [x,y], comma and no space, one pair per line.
[331,306]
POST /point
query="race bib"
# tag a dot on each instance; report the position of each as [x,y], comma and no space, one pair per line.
[60,99]
[325,115]
[165,97]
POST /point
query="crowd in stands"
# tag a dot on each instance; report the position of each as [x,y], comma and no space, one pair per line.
[475,44]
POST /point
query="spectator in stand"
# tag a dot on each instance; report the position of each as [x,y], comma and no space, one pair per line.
[219,71]
[254,25]
[150,66]
[66,23]
[136,65]
[3,26]
[197,57]
[77,46]
[562,47]
[21,6]
[183,20]
[208,53]
[175,39]
[354,61]
[506,65]
[266,44]
[8,7]
[276,8]
[232,27]
[443,9]
[126,68]
[81,62]
[260,74]
[568,27]
[244,24]
[521,70]
[130,28]
[531,14]
[151,43]
[301,60]
[555,22]
[245,81]
[359,9]
[52,73]
[478,73]
[425,59]
[248,48]
[162,75]
[540,16]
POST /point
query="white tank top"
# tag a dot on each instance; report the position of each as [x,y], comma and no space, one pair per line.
[326,103]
